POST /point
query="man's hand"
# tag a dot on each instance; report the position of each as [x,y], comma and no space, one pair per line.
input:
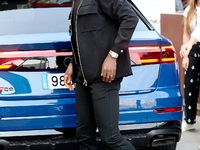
[68,77]
[185,63]
[108,70]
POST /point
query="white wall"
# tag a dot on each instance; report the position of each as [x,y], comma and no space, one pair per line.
[153,8]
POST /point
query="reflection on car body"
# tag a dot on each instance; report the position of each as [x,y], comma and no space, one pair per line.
[36,52]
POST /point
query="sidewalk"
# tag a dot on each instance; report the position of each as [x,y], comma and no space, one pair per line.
[190,140]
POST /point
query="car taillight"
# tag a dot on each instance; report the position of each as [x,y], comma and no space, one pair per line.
[168,54]
[67,4]
[8,63]
[34,60]
[2,67]
[152,55]
[165,110]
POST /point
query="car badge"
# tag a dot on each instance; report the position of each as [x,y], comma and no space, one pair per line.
[6,87]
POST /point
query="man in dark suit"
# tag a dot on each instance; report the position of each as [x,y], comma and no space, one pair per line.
[101,31]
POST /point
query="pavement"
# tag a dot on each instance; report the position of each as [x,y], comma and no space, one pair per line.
[190,140]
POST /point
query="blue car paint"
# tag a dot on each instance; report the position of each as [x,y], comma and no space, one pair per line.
[166,95]
[19,83]
[32,107]
[40,113]
[149,73]
[42,122]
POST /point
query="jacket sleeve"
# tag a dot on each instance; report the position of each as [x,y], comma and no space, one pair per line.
[122,12]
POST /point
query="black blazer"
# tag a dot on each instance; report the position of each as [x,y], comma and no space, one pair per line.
[103,25]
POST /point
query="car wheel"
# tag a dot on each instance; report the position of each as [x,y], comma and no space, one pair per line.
[166,147]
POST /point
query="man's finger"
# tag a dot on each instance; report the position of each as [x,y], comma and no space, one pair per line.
[112,76]
[107,77]
[68,82]
[69,85]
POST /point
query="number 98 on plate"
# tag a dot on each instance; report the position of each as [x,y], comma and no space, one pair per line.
[53,81]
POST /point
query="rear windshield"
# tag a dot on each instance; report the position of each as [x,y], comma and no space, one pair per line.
[34,16]
[38,16]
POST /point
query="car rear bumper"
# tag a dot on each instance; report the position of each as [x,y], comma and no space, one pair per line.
[140,135]
[37,114]
[166,133]
[61,112]
[37,122]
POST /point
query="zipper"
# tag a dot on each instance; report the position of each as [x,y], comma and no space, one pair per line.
[79,57]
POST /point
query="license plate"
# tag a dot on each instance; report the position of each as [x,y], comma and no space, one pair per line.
[53,81]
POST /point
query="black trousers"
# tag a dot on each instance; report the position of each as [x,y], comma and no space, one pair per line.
[97,105]
[191,84]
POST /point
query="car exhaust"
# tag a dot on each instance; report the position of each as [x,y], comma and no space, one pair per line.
[5,145]
[163,140]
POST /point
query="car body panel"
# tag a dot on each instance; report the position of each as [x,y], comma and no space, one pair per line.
[26,104]
[45,42]
[36,91]
[136,106]
[144,91]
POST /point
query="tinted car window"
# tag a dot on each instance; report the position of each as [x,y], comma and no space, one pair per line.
[37,16]
[34,16]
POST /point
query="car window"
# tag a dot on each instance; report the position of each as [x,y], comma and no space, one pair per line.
[38,16]
[141,26]
[22,17]
[34,16]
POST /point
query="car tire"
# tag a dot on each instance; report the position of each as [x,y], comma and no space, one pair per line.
[166,147]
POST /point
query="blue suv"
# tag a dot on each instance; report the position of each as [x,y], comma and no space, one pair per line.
[35,51]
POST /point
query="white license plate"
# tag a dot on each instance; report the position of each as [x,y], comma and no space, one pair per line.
[53,81]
